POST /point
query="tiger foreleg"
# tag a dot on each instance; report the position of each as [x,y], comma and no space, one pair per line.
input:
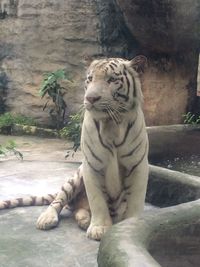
[136,185]
[48,219]
[100,217]
[69,190]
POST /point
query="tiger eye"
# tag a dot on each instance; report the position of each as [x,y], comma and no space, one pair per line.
[111,80]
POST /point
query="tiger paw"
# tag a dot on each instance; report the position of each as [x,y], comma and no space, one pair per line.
[47,219]
[82,217]
[96,232]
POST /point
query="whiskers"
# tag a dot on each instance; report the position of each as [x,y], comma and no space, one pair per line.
[122,108]
[113,112]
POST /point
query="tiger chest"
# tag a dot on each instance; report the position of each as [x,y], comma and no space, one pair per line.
[110,152]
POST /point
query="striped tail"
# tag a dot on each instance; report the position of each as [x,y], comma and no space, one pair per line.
[27,201]
[70,189]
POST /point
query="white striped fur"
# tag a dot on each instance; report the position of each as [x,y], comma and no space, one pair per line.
[110,185]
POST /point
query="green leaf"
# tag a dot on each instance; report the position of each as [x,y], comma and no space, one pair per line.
[51,86]
[10,147]
[190,118]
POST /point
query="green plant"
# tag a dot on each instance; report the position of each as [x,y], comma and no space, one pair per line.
[24,120]
[10,147]
[8,119]
[190,118]
[51,86]
[72,131]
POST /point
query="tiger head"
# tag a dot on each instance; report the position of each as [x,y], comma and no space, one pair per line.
[112,86]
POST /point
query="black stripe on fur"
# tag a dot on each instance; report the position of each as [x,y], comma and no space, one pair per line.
[100,138]
[137,164]
[129,126]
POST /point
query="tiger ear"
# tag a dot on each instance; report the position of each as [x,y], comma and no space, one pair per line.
[138,63]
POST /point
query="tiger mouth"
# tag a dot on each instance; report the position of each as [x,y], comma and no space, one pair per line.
[88,105]
[91,107]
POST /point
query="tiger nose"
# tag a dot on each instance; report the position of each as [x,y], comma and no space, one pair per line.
[93,99]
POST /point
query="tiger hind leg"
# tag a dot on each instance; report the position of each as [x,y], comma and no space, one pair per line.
[82,211]
[83,218]
[50,218]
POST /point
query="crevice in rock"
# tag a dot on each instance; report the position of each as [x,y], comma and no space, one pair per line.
[8,8]
[115,38]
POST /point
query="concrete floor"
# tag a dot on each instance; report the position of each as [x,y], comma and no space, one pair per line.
[43,170]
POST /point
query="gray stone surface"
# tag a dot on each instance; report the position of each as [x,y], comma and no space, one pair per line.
[21,244]
[43,170]
[137,243]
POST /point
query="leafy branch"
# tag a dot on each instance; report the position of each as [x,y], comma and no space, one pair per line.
[10,147]
[72,131]
[8,119]
[51,87]
[190,118]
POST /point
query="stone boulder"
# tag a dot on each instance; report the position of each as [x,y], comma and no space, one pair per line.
[168,26]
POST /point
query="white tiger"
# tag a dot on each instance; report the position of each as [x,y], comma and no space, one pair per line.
[111,183]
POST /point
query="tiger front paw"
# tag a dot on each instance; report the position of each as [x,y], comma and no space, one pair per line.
[96,231]
[48,219]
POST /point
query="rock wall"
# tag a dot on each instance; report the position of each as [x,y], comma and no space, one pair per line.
[43,36]
[46,35]
[168,33]
[169,88]
[169,26]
